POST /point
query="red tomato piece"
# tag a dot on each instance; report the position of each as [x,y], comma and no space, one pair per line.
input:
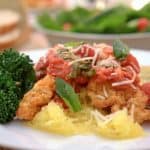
[131,61]
[85,51]
[103,74]
[143,23]
[42,64]
[81,80]
[146,88]
[58,67]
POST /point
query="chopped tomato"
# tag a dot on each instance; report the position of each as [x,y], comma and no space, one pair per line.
[85,51]
[146,88]
[103,74]
[81,80]
[143,23]
[131,61]
[58,67]
[42,64]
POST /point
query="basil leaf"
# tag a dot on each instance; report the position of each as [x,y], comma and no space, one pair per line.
[67,93]
[120,50]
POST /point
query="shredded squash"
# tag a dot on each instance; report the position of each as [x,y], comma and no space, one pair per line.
[53,118]
[121,126]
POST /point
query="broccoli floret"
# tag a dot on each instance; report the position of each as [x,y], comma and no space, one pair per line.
[9,100]
[20,67]
[17,76]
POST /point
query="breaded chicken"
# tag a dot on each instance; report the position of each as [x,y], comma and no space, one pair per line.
[38,96]
[103,96]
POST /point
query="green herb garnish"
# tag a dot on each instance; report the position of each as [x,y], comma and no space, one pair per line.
[120,50]
[67,93]
[66,54]
[73,44]
[83,68]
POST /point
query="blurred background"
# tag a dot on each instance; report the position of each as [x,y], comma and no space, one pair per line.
[35,24]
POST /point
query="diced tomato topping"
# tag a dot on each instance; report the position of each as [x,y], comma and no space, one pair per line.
[58,67]
[103,74]
[131,61]
[143,23]
[81,80]
[146,88]
[85,51]
[42,64]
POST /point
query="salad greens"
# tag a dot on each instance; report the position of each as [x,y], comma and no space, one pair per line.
[67,93]
[115,20]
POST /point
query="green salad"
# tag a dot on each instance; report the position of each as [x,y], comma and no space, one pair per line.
[119,19]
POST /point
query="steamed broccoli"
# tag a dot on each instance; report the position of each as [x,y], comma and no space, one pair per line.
[17,76]
[9,99]
[20,67]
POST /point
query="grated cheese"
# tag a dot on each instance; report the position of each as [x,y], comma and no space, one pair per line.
[105,91]
[133,86]
[95,57]
[125,82]
[98,116]
[100,96]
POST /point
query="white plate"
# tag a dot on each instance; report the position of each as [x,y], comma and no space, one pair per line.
[18,135]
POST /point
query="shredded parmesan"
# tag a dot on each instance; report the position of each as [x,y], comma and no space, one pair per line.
[135,67]
[109,62]
[133,86]
[87,52]
[100,97]
[114,74]
[95,57]
[125,82]
[105,91]
[98,116]
[77,49]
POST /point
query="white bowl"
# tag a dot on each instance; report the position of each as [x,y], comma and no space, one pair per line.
[134,40]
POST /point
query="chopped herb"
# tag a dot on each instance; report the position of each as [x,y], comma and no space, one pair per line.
[73,44]
[67,93]
[90,73]
[66,54]
[82,68]
[120,50]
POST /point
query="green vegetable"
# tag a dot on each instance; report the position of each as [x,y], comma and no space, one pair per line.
[145,11]
[83,68]
[46,21]
[9,97]
[67,93]
[74,16]
[17,76]
[120,50]
[118,19]
[20,67]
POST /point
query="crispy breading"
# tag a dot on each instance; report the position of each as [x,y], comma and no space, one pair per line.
[38,96]
[133,99]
